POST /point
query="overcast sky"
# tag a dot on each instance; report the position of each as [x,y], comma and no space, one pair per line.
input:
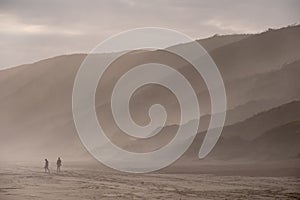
[31,30]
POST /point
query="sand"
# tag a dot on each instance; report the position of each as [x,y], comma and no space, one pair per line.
[91,182]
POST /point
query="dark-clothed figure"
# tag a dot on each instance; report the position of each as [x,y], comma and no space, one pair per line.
[58,163]
[47,166]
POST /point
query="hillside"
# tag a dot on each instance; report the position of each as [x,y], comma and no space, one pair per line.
[251,138]
[35,99]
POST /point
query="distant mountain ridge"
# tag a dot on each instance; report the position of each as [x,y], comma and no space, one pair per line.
[260,73]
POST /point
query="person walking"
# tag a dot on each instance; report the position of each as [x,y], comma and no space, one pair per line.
[58,164]
[46,166]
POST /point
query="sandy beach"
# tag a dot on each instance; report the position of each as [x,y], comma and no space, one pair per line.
[84,182]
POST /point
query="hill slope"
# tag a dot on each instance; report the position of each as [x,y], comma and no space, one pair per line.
[35,99]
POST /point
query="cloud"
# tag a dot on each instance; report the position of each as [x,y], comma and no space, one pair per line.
[60,27]
[11,25]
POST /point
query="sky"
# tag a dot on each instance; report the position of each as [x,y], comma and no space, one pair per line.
[31,30]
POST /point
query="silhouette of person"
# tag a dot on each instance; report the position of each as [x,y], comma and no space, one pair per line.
[58,163]
[47,166]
